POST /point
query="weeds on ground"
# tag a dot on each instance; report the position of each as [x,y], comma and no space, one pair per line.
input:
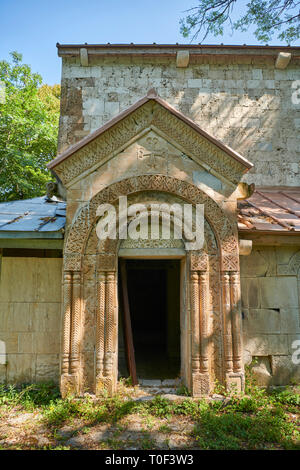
[256,420]
[29,396]
[183,390]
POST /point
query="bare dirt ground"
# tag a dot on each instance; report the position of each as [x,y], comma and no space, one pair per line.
[27,430]
[148,418]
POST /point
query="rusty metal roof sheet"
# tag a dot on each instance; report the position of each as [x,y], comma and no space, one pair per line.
[267,210]
[39,217]
[271,210]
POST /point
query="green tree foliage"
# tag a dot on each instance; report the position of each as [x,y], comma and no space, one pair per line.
[29,115]
[270,17]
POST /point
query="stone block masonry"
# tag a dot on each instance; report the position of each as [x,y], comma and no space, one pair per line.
[247,105]
[270,309]
[30,319]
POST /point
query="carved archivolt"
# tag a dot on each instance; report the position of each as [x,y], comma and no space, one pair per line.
[224,230]
[150,115]
[87,260]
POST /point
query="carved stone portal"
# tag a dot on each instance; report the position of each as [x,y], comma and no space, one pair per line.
[211,330]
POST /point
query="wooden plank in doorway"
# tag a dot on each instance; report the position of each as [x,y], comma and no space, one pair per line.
[129,347]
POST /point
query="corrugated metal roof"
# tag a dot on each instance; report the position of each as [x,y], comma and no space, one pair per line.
[271,210]
[267,210]
[33,215]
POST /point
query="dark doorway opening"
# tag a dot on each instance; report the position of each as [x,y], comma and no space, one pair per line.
[154,301]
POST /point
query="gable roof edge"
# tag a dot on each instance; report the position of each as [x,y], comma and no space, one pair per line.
[151,95]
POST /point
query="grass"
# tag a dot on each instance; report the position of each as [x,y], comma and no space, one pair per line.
[258,420]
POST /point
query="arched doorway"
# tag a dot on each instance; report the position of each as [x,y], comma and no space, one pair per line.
[210,319]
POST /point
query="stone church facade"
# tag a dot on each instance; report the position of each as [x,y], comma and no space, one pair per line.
[174,125]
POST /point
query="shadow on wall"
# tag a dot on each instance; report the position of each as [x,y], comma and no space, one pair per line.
[248,107]
[248,120]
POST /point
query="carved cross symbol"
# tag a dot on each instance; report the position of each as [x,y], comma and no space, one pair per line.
[152,144]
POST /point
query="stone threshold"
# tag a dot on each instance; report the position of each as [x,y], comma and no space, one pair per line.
[159,383]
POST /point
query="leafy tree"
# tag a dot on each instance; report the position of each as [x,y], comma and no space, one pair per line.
[29,115]
[281,17]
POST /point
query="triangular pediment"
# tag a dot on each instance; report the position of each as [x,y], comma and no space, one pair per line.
[156,132]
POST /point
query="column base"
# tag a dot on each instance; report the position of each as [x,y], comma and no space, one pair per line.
[200,385]
[69,385]
[235,382]
[105,383]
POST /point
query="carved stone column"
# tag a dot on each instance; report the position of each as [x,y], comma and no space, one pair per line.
[75,328]
[106,326]
[70,378]
[199,323]
[66,340]
[100,326]
[227,323]
[204,334]
[110,334]
[236,322]
[195,334]
[234,374]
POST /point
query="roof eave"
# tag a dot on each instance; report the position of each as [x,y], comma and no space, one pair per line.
[32,235]
[151,95]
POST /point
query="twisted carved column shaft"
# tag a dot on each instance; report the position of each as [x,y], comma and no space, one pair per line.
[67,299]
[203,313]
[195,322]
[109,323]
[227,322]
[100,323]
[75,328]
[236,323]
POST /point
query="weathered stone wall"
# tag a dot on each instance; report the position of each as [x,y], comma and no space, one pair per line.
[270,310]
[30,319]
[245,102]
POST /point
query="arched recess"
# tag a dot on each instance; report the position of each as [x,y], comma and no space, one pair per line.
[106,309]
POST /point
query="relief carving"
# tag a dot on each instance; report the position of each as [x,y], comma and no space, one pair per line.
[150,114]
[98,264]
[224,229]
